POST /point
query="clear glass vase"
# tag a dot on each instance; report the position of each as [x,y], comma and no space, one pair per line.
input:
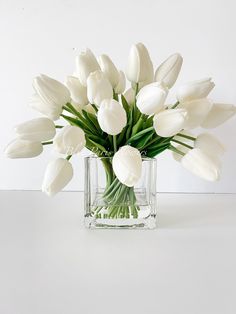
[110,204]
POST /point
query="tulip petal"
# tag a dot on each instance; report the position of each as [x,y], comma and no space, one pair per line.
[40,129]
[218,115]
[197,111]
[195,90]
[168,71]
[127,165]
[201,164]
[169,122]
[58,173]
[20,148]
[210,144]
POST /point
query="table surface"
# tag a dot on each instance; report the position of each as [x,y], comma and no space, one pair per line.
[51,264]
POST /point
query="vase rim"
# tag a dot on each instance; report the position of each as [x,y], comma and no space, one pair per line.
[110,157]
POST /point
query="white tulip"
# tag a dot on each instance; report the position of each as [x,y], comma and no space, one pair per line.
[197,111]
[78,92]
[86,63]
[195,90]
[53,96]
[210,144]
[120,87]
[151,98]
[40,129]
[127,165]
[140,67]
[58,173]
[70,140]
[111,116]
[169,122]
[109,69]
[201,164]
[130,96]
[168,71]
[52,112]
[218,114]
[20,148]
[99,88]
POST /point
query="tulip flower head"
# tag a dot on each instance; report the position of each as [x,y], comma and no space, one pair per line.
[140,67]
[127,165]
[70,140]
[58,173]
[86,63]
[40,129]
[78,92]
[109,69]
[111,117]
[151,98]
[168,71]
[98,88]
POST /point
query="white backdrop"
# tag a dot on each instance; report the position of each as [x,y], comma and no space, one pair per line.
[45,36]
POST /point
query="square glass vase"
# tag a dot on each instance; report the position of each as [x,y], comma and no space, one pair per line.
[110,204]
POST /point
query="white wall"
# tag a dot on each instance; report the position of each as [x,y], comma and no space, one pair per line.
[44,37]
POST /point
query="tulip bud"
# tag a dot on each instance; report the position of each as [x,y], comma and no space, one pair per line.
[127,165]
[120,87]
[40,129]
[169,122]
[99,88]
[109,69]
[218,114]
[111,117]
[140,67]
[70,140]
[58,173]
[151,98]
[78,92]
[130,96]
[53,96]
[52,112]
[86,63]
[197,111]
[168,71]
[209,144]
[20,148]
[201,164]
[195,90]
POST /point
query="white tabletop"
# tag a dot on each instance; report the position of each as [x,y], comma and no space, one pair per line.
[51,264]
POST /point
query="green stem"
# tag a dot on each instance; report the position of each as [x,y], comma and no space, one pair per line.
[181,143]
[47,143]
[191,138]
[115,96]
[136,89]
[68,157]
[175,150]
[59,126]
[175,105]
[94,107]
[114,143]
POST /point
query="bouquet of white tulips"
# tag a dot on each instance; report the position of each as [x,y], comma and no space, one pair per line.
[122,124]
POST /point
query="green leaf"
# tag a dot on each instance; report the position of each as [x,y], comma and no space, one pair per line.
[143,141]
[140,134]
[125,104]
[154,152]
[92,120]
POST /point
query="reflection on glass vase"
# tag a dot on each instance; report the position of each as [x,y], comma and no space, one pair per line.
[110,204]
